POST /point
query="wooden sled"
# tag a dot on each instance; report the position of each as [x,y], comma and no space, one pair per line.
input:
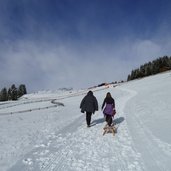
[109,129]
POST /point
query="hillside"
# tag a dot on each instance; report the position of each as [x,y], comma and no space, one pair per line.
[37,134]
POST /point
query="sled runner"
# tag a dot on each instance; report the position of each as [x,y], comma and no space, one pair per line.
[109,129]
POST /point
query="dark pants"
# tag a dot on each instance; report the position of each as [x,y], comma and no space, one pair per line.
[88,118]
[109,119]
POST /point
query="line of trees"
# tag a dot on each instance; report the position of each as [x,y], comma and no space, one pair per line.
[156,66]
[13,93]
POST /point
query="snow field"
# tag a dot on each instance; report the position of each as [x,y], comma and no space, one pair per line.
[58,139]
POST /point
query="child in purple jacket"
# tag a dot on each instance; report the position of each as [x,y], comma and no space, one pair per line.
[109,109]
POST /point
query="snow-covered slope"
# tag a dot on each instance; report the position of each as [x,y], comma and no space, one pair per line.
[36,134]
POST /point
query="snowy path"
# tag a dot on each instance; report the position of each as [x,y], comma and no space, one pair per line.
[76,147]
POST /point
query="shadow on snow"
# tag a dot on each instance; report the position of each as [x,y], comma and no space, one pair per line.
[98,121]
[116,121]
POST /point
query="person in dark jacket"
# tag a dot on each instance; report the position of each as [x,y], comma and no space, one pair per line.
[109,109]
[89,105]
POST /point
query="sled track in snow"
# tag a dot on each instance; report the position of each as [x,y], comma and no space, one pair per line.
[40,159]
[41,100]
[33,109]
[155,157]
[58,158]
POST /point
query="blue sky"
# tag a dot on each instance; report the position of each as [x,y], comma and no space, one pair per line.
[48,44]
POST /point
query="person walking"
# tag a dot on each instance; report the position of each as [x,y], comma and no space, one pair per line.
[89,104]
[109,110]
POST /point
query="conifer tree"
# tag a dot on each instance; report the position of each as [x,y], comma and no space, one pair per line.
[13,92]
[4,94]
[9,94]
[22,90]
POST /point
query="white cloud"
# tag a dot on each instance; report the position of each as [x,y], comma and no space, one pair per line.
[45,65]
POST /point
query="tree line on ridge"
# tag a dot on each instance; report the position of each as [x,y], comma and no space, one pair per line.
[12,93]
[159,65]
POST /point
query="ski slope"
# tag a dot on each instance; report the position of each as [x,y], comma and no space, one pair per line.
[57,139]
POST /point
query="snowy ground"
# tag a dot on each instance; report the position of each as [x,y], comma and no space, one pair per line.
[56,138]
